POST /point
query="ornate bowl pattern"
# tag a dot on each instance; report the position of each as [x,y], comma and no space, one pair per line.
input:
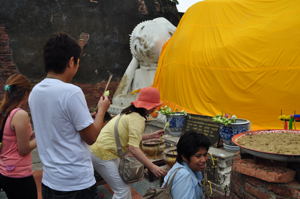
[176,123]
[227,132]
[170,156]
[153,147]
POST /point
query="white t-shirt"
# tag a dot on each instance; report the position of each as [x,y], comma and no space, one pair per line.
[59,110]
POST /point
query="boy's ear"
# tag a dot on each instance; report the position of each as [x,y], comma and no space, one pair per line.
[71,61]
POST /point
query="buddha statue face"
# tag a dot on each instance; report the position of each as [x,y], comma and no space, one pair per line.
[147,39]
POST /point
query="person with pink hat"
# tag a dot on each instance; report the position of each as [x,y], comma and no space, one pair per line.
[131,127]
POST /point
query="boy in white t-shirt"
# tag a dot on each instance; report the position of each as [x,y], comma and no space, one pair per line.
[63,124]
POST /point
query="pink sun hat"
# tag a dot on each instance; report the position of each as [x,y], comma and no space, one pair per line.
[148,98]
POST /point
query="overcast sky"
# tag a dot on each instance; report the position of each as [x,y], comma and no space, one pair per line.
[185,4]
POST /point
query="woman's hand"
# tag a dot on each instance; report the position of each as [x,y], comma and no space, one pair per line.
[156,134]
[157,171]
[140,156]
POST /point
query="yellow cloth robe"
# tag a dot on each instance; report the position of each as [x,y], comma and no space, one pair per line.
[238,57]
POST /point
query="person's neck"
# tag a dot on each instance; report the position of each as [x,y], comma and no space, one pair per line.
[61,77]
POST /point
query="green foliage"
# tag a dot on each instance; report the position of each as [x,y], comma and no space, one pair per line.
[225,120]
[285,117]
[165,110]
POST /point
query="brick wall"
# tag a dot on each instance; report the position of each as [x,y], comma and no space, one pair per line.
[93,91]
[246,187]
[7,67]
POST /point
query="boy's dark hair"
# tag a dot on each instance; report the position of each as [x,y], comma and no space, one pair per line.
[189,144]
[58,50]
[143,112]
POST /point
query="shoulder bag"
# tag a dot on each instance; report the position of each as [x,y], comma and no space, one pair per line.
[130,169]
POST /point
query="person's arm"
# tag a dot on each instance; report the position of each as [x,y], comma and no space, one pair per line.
[156,134]
[21,124]
[136,127]
[140,156]
[90,133]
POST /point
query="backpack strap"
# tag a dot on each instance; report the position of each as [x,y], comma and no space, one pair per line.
[117,138]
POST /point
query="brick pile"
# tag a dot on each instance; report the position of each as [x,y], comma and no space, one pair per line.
[250,181]
[263,171]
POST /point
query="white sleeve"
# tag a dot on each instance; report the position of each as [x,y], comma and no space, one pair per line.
[78,111]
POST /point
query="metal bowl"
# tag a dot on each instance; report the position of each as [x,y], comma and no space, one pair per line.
[153,147]
[264,154]
[170,156]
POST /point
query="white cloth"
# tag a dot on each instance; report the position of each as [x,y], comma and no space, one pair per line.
[108,169]
[59,111]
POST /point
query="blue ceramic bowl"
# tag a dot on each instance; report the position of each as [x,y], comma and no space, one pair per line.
[227,132]
[176,123]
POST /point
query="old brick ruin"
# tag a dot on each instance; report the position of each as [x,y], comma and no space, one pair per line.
[25,27]
[252,179]
[8,67]
[108,25]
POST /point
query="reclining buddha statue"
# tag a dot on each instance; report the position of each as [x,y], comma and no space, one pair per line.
[146,42]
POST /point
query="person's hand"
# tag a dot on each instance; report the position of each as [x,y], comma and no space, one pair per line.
[157,171]
[157,134]
[103,103]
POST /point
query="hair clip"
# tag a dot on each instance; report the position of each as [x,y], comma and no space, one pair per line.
[7,87]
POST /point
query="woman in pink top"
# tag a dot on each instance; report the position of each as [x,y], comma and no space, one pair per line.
[16,140]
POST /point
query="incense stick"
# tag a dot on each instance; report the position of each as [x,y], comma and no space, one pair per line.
[109,79]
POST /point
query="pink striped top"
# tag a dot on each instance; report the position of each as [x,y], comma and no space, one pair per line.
[11,163]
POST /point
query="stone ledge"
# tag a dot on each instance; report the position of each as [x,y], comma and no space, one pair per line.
[222,153]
